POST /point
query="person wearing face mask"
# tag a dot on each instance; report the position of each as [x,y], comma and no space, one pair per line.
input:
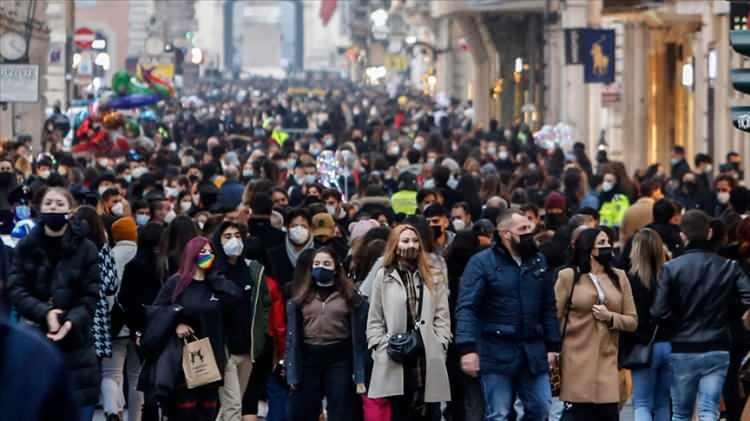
[184,204]
[326,347]
[437,217]
[704,169]
[555,211]
[594,303]
[111,205]
[723,187]
[461,217]
[246,328]
[515,347]
[405,299]
[334,207]
[612,203]
[54,285]
[282,258]
[205,298]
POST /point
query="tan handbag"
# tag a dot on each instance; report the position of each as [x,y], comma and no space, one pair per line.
[199,363]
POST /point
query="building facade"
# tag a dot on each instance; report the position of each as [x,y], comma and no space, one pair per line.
[671,86]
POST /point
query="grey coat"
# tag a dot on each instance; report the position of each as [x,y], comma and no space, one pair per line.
[387,316]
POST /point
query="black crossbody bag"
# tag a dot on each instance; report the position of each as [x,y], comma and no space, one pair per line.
[407,347]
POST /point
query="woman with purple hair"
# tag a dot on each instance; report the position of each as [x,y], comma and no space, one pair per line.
[204,296]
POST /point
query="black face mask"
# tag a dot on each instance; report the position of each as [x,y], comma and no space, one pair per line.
[437,231]
[525,246]
[605,256]
[323,277]
[5,178]
[553,221]
[54,221]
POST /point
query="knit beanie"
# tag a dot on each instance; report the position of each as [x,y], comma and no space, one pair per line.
[124,229]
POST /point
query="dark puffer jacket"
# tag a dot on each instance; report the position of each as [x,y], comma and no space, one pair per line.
[72,285]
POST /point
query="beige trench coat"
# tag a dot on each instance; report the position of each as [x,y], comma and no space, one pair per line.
[589,351]
[387,317]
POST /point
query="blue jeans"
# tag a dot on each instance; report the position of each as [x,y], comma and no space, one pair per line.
[500,391]
[87,412]
[698,377]
[651,386]
[277,399]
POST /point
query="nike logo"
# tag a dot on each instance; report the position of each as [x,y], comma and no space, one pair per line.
[213,298]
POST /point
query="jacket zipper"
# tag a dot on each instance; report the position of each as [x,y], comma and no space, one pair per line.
[255,314]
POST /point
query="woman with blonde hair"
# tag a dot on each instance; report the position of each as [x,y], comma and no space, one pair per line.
[651,379]
[406,301]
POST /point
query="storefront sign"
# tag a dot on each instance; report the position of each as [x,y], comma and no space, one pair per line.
[19,83]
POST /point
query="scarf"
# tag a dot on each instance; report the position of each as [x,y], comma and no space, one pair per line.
[293,254]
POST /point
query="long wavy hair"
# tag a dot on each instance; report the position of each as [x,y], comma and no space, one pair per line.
[390,258]
[647,256]
[188,267]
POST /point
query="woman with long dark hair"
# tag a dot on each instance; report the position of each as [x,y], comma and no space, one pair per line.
[205,297]
[405,299]
[54,284]
[176,236]
[325,341]
[594,303]
[651,382]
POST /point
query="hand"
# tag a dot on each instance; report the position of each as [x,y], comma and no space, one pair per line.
[61,333]
[470,364]
[552,358]
[602,313]
[746,320]
[183,330]
[53,320]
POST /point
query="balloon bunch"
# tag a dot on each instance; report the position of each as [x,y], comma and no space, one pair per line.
[131,92]
[548,137]
[328,168]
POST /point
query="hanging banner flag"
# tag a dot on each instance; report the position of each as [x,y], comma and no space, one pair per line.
[598,55]
[327,8]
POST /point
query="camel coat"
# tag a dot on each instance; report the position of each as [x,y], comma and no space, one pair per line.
[387,316]
[589,351]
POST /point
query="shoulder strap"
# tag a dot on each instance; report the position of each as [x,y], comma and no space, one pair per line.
[569,303]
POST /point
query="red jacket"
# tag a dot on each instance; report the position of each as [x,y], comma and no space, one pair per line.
[276,320]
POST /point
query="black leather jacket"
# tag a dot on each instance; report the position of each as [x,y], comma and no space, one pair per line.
[695,292]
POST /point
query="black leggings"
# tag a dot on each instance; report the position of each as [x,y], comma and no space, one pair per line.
[591,411]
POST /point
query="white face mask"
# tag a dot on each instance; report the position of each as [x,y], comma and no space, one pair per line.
[233,247]
[103,163]
[503,155]
[331,209]
[102,189]
[429,183]
[299,235]
[43,175]
[118,209]
[722,197]
[139,171]
[452,182]
[607,186]
[171,192]
[170,217]
[458,224]
[185,206]
[310,179]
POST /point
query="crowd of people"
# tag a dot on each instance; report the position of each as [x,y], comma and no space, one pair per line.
[362,257]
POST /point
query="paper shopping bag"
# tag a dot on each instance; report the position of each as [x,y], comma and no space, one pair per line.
[199,363]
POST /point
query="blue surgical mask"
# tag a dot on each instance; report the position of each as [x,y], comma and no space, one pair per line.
[141,219]
[23,212]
